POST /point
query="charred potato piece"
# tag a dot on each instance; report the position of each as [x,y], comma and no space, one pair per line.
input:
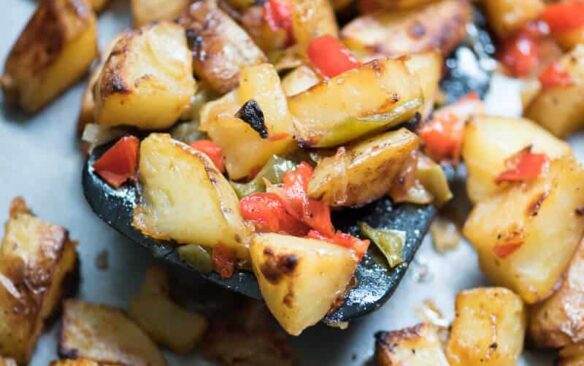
[507,16]
[147,81]
[489,141]
[248,337]
[300,279]
[106,335]
[488,328]
[53,51]
[148,11]
[185,198]
[220,47]
[164,321]
[261,128]
[364,171]
[559,320]
[526,235]
[377,95]
[560,109]
[312,19]
[572,355]
[419,345]
[437,26]
[37,260]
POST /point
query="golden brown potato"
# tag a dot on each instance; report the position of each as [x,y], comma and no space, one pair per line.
[37,261]
[245,149]
[373,97]
[164,321]
[526,235]
[220,47]
[437,26]
[560,109]
[572,355]
[559,320]
[147,81]
[53,51]
[148,11]
[247,337]
[488,328]
[300,279]
[507,16]
[419,345]
[428,67]
[364,171]
[299,80]
[569,39]
[185,198]
[81,362]
[264,36]
[312,19]
[489,141]
[105,334]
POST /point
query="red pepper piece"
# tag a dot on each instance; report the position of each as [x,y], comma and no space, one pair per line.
[503,251]
[523,166]
[520,52]
[565,16]
[213,151]
[554,76]
[278,15]
[120,162]
[268,213]
[330,57]
[224,260]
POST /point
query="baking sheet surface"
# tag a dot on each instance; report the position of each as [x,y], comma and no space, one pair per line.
[40,161]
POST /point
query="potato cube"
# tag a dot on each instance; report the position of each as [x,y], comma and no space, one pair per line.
[53,51]
[105,334]
[148,11]
[572,355]
[526,235]
[147,81]
[488,329]
[419,345]
[507,16]
[37,260]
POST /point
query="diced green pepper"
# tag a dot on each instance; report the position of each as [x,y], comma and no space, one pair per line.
[389,242]
[197,257]
[434,180]
[273,171]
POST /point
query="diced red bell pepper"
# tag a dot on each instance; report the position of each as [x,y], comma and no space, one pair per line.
[344,240]
[224,260]
[268,213]
[295,186]
[278,16]
[503,251]
[317,215]
[330,57]
[443,135]
[520,52]
[120,162]
[523,166]
[564,16]
[213,151]
[554,76]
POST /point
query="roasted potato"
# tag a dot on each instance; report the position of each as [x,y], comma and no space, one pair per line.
[220,47]
[37,260]
[428,67]
[247,337]
[572,355]
[299,80]
[507,16]
[569,39]
[264,36]
[526,235]
[312,19]
[185,198]
[489,141]
[559,320]
[105,334]
[373,97]
[437,26]
[148,11]
[364,171]
[53,51]
[261,103]
[560,109]
[488,328]
[164,321]
[419,345]
[300,279]
[147,81]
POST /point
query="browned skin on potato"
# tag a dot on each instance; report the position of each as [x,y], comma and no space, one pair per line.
[36,261]
[559,320]
[248,338]
[219,45]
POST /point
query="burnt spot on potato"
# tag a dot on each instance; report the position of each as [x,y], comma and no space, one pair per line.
[277,266]
[535,205]
[252,114]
